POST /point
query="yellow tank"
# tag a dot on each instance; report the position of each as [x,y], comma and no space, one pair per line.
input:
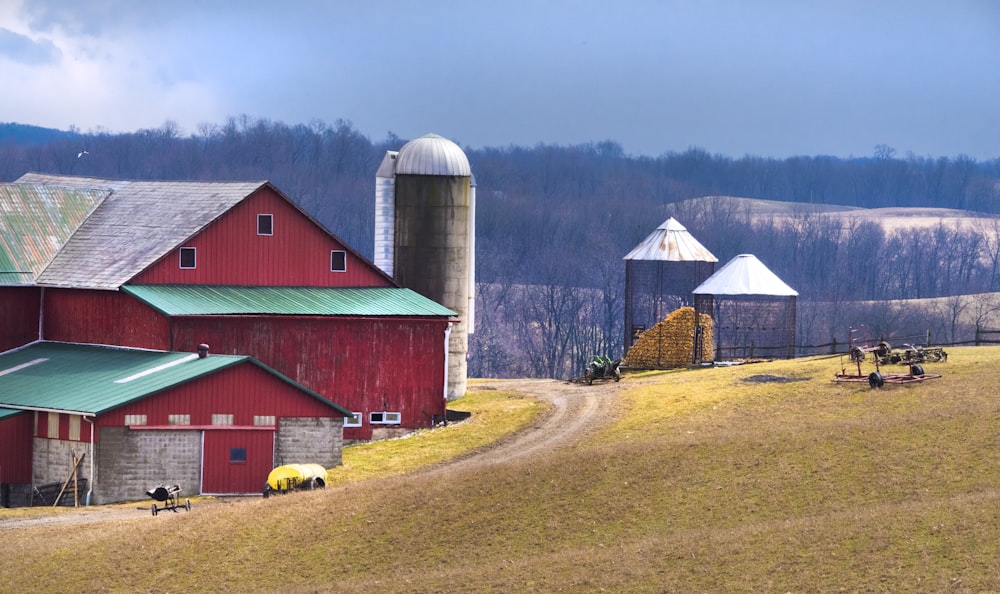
[295,476]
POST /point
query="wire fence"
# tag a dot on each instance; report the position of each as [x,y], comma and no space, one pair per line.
[982,337]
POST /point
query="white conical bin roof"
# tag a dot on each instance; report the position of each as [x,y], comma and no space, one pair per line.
[745,275]
[671,242]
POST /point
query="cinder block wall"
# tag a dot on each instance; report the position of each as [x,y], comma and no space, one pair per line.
[309,441]
[129,463]
[52,460]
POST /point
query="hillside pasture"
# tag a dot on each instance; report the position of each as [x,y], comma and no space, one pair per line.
[762,477]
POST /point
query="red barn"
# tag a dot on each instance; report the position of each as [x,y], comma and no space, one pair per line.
[170,265]
[213,424]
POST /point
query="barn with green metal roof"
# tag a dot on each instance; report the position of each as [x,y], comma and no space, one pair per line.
[169,265]
[215,424]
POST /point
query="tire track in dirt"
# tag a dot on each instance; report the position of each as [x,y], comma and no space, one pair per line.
[576,411]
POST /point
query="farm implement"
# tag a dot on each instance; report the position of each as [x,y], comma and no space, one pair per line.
[882,354]
[168,496]
[295,476]
[603,368]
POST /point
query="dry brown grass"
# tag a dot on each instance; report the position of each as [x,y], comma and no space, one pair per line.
[708,483]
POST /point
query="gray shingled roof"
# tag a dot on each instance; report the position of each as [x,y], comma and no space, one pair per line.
[140,222]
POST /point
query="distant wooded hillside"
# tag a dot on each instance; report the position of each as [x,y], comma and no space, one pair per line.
[560,219]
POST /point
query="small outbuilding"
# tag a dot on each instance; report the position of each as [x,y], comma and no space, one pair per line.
[753,310]
[135,419]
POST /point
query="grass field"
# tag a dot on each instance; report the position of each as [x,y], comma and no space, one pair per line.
[707,482]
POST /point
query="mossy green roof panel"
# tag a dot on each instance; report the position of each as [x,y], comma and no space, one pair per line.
[202,300]
[35,222]
[92,379]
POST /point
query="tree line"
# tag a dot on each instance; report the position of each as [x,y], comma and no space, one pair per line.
[553,222]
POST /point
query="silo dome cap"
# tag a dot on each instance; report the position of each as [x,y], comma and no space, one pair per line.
[432,155]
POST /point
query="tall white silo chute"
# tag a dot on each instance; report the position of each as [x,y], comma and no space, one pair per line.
[385,215]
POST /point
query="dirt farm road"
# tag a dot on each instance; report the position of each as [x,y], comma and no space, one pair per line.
[576,411]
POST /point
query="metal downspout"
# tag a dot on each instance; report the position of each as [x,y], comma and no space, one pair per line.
[447,345]
[93,477]
[41,313]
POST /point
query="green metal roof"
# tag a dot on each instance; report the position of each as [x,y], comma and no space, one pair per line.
[93,379]
[202,300]
[35,222]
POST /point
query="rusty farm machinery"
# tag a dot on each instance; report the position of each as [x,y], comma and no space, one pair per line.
[881,354]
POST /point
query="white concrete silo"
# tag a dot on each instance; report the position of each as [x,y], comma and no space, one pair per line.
[425,234]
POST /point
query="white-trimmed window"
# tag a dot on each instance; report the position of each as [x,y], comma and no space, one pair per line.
[226,420]
[135,420]
[354,420]
[188,257]
[338,261]
[265,224]
[178,419]
[263,420]
[385,418]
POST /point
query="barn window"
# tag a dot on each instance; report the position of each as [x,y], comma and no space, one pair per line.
[222,419]
[188,259]
[353,420]
[338,261]
[385,418]
[178,419]
[135,419]
[53,428]
[74,428]
[263,420]
[265,224]
[238,455]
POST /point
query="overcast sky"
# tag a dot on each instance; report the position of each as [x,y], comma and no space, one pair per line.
[768,77]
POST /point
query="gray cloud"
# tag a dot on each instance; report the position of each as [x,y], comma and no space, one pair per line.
[25,50]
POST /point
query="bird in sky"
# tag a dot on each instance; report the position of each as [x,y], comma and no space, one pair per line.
[81,153]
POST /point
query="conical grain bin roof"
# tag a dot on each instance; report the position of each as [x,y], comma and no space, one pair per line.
[671,242]
[745,275]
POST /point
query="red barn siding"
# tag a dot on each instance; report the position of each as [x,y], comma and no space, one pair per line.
[229,252]
[15,448]
[63,420]
[18,316]
[362,364]
[242,390]
[103,317]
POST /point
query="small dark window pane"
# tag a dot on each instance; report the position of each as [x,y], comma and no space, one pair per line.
[237,454]
[265,224]
[338,261]
[188,257]
[376,417]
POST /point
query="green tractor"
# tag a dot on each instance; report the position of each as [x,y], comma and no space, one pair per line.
[602,367]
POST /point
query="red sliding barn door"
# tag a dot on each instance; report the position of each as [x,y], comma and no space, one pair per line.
[236,461]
